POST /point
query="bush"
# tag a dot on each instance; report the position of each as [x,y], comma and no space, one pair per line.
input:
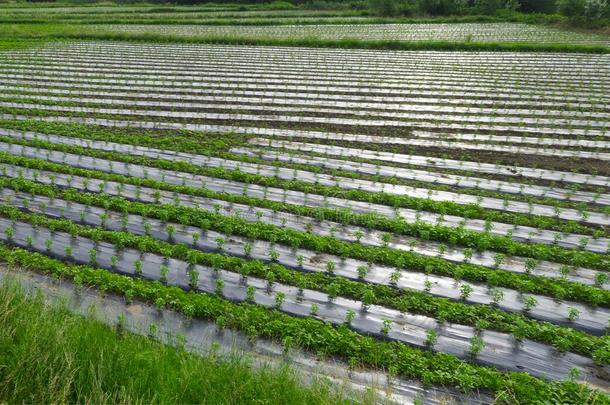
[443,7]
[595,8]
[571,8]
[493,6]
[280,5]
[334,4]
[383,7]
[389,8]
[537,6]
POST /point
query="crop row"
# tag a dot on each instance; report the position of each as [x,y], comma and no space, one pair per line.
[355,74]
[518,187]
[454,105]
[307,104]
[311,334]
[482,61]
[332,274]
[480,32]
[486,347]
[466,123]
[241,81]
[459,121]
[301,176]
[212,144]
[286,74]
[410,113]
[326,82]
[372,246]
[244,81]
[346,152]
[482,240]
[464,182]
[484,138]
[242,187]
[408,93]
[355,164]
[456,176]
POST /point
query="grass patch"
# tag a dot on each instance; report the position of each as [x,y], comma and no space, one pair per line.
[47,358]
[8,43]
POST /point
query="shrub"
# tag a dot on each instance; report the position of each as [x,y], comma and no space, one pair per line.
[443,7]
[280,5]
[383,7]
[537,6]
[595,8]
[571,8]
[389,8]
[492,6]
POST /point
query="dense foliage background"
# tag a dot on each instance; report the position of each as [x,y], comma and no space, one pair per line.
[580,12]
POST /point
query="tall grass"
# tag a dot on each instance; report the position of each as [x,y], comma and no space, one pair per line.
[49,355]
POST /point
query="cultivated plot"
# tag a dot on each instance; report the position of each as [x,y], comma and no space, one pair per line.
[444,216]
[463,32]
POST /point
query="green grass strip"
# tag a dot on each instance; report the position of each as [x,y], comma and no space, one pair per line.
[47,358]
[330,17]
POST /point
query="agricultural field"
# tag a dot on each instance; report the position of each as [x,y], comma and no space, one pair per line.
[476,32]
[410,226]
[157,14]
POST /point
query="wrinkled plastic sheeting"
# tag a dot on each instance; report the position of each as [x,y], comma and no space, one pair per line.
[501,350]
[516,232]
[201,337]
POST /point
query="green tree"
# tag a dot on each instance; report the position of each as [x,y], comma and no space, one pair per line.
[595,8]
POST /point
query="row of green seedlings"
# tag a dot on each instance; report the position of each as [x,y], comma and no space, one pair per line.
[81,107]
[93,105]
[248,179]
[376,176]
[273,256]
[176,106]
[186,82]
[477,344]
[377,166]
[77,114]
[220,96]
[421,204]
[474,210]
[297,239]
[315,335]
[236,93]
[215,145]
[455,236]
[334,286]
[368,299]
[351,154]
